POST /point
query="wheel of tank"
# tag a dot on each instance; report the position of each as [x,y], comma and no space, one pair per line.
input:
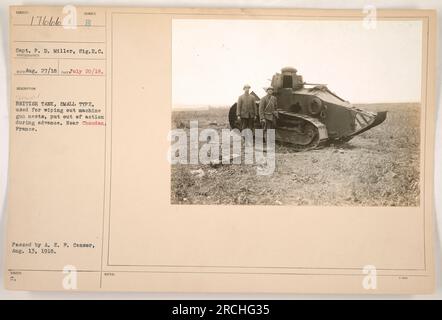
[312,134]
[315,106]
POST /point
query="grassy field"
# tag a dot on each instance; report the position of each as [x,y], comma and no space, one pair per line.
[377,168]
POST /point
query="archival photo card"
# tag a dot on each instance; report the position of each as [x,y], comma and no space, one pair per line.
[221,150]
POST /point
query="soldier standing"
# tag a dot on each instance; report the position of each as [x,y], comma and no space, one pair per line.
[246,109]
[267,108]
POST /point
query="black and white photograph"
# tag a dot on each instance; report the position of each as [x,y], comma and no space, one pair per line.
[341,99]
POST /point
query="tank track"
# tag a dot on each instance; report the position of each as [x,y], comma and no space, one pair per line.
[314,145]
[320,131]
[316,142]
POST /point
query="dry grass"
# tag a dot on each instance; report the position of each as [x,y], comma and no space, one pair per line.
[377,168]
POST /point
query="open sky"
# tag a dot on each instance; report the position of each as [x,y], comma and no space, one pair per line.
[212,59]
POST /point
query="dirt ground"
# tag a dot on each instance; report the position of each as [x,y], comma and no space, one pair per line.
[377,168]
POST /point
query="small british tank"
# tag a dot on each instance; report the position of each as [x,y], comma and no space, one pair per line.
[310,115]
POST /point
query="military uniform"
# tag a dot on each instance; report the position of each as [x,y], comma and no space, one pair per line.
[267,108]
[246,110]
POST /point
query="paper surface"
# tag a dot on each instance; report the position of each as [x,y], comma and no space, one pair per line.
[94,203]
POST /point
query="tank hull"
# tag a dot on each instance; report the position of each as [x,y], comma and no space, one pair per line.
[332,118]
[311,115]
